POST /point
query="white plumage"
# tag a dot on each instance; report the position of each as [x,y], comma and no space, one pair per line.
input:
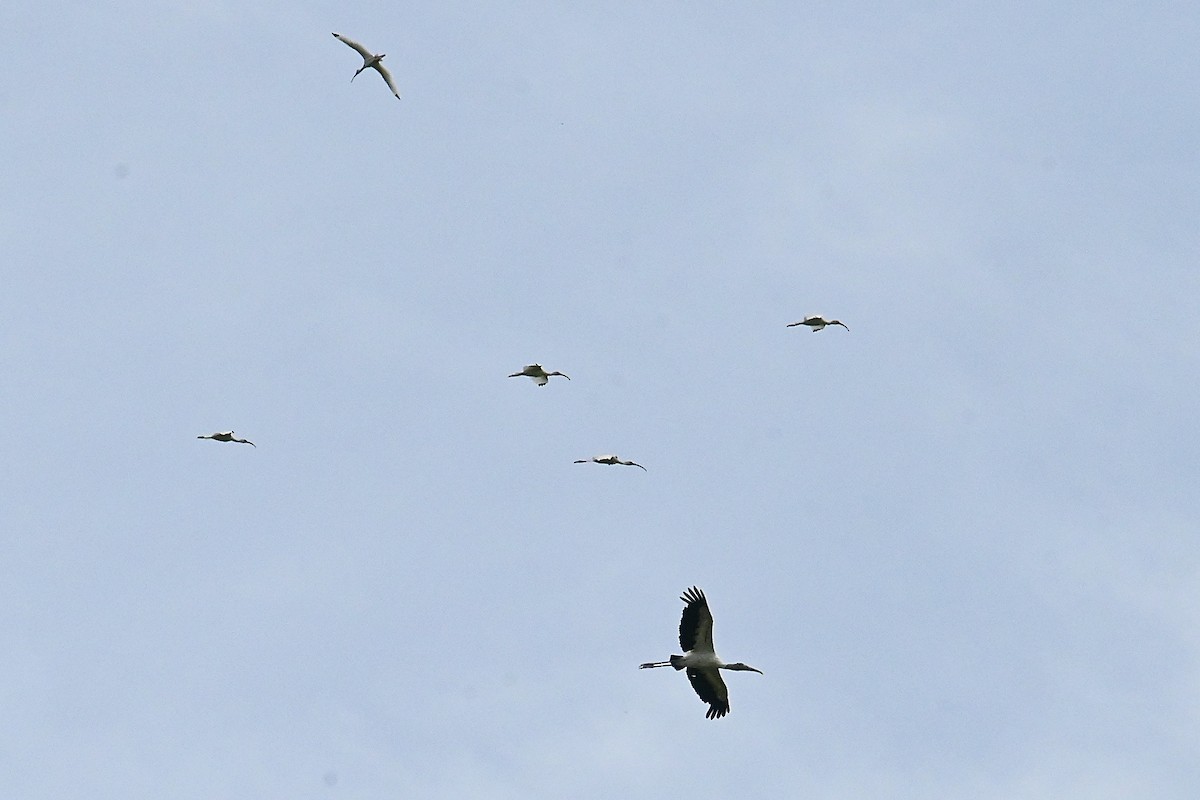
[537,373]
[699,658]
[610,460]
[817,323]
[369,60]
[227,436]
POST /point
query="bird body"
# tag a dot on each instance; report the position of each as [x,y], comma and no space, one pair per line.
[610,460]
[370,60]
[538,374]
[227,436]
[817,323]
[701,661]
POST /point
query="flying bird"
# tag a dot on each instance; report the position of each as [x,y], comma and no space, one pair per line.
[227,436]
[539,375]
[699,659]
[610,460]
[817,323]
[369,60]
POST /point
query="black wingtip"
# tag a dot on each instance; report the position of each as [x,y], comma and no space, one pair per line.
[717,711]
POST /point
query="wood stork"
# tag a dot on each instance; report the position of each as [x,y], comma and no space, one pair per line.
[369,60]
[699,659]
[539,375]
[227,436]
[610,460]
[817,323]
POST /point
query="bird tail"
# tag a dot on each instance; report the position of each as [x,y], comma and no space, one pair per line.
[677,662]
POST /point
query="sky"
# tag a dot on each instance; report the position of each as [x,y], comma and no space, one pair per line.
[959,539]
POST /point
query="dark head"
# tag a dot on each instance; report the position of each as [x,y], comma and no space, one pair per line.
[740,667]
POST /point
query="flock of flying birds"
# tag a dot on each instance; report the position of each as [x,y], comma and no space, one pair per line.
[699,658]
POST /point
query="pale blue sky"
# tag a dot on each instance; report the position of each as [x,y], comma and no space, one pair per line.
[959,539]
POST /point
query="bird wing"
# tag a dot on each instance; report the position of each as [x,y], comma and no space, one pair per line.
[362,51]
[711,689]
[695,626]
[540,380]
[387,77]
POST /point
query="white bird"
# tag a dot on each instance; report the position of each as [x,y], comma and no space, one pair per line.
[610,460]
[539,375]
[817,323]
[699,659]
[369,60]
[227,436]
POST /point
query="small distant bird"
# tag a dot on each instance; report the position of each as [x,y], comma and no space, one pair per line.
[369,60]
[610,460]
[817,323]
[539,375]
[227,436]
[699,659]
